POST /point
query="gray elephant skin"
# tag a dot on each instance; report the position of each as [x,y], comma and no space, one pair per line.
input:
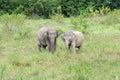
[73,38]
[47,37]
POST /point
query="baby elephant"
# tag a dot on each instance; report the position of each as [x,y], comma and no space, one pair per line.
[73,38]
[47,37]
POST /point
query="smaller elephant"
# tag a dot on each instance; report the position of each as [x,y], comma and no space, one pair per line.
[47,36]
[73,38]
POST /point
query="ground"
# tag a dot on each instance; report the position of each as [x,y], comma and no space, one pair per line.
[99,58]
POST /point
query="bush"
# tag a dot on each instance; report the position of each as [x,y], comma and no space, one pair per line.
[59,18]
[46,8]
[112,18]
[79,23]
[104,10]
[14,25]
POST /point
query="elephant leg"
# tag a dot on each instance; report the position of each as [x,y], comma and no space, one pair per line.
[73,44]
[68,49]
[48,44]
[39,44]
[39,47]
[79,47]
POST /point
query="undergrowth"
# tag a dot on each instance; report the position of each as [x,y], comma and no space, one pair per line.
[99,58]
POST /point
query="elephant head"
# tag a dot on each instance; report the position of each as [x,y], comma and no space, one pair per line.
[68,38]
[52,37]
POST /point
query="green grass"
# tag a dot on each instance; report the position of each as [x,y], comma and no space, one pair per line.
[99,58]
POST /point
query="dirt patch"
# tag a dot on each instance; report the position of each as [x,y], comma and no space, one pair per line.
[3,52]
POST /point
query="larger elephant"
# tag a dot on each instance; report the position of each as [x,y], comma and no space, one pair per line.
[73,38]
[47,36]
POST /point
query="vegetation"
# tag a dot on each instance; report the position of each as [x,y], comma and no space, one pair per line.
[46,8]
[99,58]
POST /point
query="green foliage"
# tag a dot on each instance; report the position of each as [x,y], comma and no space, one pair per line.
[112,18]
[98,59]
[2,71]
[18,60]
[46,8]
[103,10]
[15,24]
[43,8]
[82,71]
[59,18]
[79,23]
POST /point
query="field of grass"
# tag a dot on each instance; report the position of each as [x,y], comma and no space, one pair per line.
[99,58]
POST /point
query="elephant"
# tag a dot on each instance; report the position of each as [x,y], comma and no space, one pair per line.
[47,36]
[73,38]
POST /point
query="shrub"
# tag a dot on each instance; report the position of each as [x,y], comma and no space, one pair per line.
[14,25]
[101,11]
[104,10]
[112,18]
[79,23]
[59,18]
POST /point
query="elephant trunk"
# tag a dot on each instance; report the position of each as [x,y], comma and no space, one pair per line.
[52,46]
[67,44]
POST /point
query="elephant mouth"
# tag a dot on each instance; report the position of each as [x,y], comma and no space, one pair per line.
[69,44]
[44,46]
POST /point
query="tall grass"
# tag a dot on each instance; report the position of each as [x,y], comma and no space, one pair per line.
[99,58]
[14,25]
[2,71]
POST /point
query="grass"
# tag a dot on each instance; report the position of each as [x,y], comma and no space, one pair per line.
[99,58]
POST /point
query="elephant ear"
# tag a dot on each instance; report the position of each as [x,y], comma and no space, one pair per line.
[62,37]
[47,35]
[58,33]
[72,36]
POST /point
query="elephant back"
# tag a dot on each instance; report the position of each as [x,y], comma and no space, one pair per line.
[79,38]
